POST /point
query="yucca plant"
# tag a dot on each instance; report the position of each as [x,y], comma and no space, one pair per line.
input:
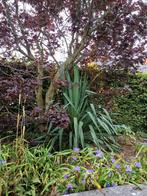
[76,103]
[102,129]
[76,95]
[88,126]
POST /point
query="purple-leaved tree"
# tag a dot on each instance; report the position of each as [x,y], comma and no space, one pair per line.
[114,29]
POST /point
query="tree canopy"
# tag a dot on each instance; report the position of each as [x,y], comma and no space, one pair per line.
[111,28]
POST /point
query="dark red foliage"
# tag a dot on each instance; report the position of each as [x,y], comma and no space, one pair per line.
[58,116]
[16,79]
[60,83]
[36,112]
[115,29]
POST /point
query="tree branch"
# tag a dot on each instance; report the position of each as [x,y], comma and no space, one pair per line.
[14,33]
[28,47]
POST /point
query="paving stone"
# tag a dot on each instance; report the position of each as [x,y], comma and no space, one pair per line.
[127,190]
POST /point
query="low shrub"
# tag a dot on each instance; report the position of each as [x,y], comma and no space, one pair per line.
[36,171]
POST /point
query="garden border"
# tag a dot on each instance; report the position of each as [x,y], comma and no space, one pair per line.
[125,190]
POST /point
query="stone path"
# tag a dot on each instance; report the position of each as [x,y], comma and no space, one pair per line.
[127,190]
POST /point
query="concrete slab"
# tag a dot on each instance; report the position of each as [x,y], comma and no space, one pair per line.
[126,190]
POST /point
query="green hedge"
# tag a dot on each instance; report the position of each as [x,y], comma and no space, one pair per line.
[131,108]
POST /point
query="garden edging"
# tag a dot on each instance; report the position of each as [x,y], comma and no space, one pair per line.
[126,190]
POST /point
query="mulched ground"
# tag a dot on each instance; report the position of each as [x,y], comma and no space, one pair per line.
[128,146]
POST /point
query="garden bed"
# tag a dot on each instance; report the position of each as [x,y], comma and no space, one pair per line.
[36,171]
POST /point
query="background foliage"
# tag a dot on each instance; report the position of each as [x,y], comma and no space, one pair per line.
[131,108]
[123,94]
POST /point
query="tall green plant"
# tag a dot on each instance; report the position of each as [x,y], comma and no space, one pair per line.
[87,126]
[76,103]
[76,95]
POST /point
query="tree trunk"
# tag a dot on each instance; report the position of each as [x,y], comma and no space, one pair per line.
[51,91]
[39,89]
[67,64]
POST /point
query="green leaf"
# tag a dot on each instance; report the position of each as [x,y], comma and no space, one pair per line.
[81,134]
[76,137]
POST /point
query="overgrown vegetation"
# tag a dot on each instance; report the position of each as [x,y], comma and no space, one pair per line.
[90,100]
